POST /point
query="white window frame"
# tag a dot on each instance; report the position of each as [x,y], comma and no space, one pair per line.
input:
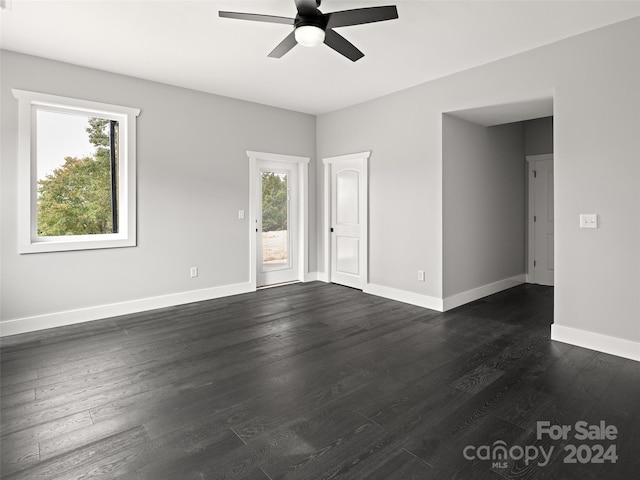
[28,240]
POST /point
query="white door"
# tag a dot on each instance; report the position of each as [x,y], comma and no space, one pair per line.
[347,219]
[543,222]
[277,223]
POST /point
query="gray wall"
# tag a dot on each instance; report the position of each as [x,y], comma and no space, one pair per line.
[538,136]
[483,175]
[191,185]
[193,177]
[405,191]
[595,78]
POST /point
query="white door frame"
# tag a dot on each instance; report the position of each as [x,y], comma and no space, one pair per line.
[364,213]
[531,161]
[303,201]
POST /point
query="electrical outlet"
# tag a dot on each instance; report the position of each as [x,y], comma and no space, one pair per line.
[421,275]
[588,220]
[240,214]
[194,272]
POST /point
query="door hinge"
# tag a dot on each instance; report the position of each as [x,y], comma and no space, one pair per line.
[331,230]
[535,219]
[535,174]
[534,263]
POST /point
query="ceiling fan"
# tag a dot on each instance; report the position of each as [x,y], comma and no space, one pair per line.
[311,27]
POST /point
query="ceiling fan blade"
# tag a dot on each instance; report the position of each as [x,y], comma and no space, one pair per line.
[360,16]
[342,45]
[307,8]
[284,46]
[256,17]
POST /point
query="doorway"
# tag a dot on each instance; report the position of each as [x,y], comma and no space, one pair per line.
[346,219]
[485,212]
[278,220]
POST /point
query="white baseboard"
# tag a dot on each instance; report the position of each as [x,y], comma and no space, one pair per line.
[596,341]
[480,292]
[59,319]
[412,298]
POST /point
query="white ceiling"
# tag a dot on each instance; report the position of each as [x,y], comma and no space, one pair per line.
[185,43]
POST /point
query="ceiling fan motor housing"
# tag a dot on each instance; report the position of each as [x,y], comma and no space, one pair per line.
[319,21]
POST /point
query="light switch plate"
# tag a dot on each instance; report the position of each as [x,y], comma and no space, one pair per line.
[588,220]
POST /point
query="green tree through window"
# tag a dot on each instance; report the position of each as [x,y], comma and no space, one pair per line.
[77,198]
[274,202]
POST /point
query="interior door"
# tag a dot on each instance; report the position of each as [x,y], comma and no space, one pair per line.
[543,224]
[347,211]
[277,223]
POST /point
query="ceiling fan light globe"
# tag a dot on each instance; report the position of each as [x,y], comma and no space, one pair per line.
[309,35]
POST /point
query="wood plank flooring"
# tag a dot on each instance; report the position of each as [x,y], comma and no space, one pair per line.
[312,381]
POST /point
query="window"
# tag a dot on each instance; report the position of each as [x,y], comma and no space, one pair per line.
[76,174]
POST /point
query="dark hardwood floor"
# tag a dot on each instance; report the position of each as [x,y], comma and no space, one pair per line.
[315,381]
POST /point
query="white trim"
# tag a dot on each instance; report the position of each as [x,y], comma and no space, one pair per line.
[88,106]
[326,223]
[70,317]
[364,253]
[28,240]
[480,292]
[322,277]
[412,298]
[531,202]
[596,341]
[303,207]
[349,156]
